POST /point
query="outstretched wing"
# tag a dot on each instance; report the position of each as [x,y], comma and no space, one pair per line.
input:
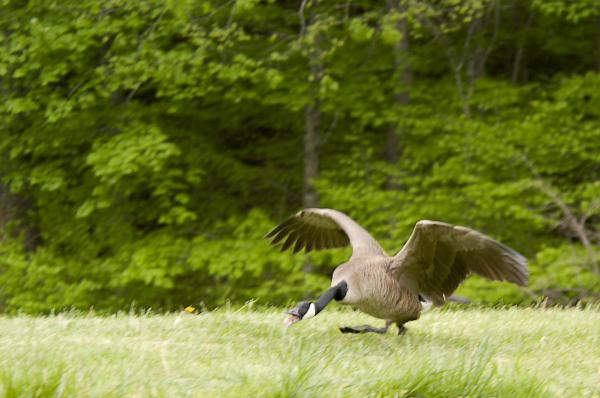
[324,229]
[439,256]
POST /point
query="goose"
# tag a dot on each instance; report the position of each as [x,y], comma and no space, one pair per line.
[433,262]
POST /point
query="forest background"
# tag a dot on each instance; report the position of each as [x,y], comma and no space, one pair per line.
[146,147]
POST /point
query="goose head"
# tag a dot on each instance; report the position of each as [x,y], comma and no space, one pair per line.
[304,310]
[308,309]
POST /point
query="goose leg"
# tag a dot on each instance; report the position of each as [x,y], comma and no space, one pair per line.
[401,329]
[366,328]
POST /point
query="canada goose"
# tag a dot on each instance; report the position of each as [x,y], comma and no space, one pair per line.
[434,261]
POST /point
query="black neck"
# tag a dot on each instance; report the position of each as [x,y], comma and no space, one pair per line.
[337,292]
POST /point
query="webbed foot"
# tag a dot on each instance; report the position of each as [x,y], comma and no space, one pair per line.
[363,329]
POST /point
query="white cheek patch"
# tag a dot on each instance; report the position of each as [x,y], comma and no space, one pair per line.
[426,306]
[312,311]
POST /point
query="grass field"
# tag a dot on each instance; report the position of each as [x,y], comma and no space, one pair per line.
[467,353]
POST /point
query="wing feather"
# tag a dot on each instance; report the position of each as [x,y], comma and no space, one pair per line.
[310,238]
[279,228]
[281,233]
[300,242]
[317,229]
[439,256]
[290,240]
[328,238]
[319,239]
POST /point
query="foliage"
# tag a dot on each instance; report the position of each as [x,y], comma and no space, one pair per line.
[147,147]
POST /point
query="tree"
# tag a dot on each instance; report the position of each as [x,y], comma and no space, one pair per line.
[146,148]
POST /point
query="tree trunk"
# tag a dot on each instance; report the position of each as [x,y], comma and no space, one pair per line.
[520,56]
[402,73]
[6,211]
[312,122]
[14,208]
[312,126]
[312,114]
[598,42]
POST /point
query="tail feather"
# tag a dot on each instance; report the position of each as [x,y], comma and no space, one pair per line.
[427,304]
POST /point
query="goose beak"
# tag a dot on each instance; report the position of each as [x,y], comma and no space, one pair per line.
[294,316]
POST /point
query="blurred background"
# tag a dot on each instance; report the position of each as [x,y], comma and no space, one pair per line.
[147,146]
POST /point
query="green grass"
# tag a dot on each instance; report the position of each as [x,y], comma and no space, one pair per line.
[467,353]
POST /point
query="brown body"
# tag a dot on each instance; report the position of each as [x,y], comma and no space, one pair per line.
[373,290]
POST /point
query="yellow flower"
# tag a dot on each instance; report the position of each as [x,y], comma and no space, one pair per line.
[189,309]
